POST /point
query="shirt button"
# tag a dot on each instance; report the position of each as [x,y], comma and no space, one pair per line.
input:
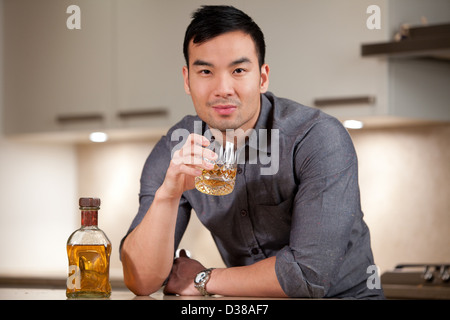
[239,170]
[255,251]
[243,213]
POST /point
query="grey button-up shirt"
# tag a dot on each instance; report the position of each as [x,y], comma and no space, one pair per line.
[297,200]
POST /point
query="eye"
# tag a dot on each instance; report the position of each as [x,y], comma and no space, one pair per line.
[239,70]
[205,71]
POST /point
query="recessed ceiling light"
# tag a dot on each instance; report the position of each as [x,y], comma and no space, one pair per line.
[98,137]
[353,124]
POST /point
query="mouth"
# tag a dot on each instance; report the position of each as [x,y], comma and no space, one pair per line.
[224,109]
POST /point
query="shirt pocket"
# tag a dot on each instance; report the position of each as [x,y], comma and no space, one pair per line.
[273,222]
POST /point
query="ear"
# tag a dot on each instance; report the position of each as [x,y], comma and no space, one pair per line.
[264,78]
[187,89]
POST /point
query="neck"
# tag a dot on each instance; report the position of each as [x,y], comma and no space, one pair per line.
[89,218]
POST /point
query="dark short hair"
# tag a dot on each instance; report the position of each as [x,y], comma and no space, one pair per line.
[211,21]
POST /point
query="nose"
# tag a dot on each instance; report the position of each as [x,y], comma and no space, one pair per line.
[224,86]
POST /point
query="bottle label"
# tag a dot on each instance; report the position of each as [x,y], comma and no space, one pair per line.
[88,270]
[74,278]
[89,217]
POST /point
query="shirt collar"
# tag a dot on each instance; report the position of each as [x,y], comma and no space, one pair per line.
[266,108]
[263,122]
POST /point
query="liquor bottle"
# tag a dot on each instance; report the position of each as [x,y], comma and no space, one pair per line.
[88,250]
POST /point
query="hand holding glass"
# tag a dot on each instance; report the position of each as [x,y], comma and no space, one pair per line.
[220,180]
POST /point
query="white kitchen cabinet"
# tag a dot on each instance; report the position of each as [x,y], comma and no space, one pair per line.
[121,70]
[149,84]
[314,51]
[56,79]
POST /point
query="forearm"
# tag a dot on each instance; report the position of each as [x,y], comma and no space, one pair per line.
[147,252]
[256,280]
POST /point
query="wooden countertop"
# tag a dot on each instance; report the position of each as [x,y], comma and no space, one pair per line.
[60,294]
[122,294]
[23,288]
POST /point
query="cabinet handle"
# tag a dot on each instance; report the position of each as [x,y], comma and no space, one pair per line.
[79,117]
[143,113]
[332,102]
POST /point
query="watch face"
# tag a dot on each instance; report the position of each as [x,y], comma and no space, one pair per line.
[200,277]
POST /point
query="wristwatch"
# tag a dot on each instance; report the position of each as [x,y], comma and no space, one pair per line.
[201,279]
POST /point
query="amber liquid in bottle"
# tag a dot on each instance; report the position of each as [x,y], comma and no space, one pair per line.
[88,252]
[89,271]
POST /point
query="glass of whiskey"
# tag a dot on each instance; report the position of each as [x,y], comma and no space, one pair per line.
[220,180]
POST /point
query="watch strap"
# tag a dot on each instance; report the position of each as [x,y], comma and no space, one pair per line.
[201,286]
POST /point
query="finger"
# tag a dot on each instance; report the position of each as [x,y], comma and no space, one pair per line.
[196,160]
[180,253]
[194,154]
[197,139]
[184,165]
[183,253]
[197,152]
[193,171]
[197,144]
[195,148]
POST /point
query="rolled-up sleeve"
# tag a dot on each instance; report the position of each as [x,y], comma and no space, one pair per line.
[327,228]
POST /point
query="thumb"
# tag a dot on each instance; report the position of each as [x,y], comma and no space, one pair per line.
[183,253]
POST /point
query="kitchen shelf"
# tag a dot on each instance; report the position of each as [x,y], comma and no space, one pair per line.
[429,41]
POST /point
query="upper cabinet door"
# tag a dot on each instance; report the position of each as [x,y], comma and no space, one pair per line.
[150,90]
[313,49]
[57,78]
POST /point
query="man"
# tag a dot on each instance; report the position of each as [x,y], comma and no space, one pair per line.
[295,232]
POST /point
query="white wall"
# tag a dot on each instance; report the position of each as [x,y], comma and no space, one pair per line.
[38,202]
[404,175]
[38,207]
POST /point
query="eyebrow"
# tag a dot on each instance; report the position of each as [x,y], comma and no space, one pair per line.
[234,63]
[239,61]
[202,63]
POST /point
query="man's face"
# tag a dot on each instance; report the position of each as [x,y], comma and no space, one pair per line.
[225,81]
